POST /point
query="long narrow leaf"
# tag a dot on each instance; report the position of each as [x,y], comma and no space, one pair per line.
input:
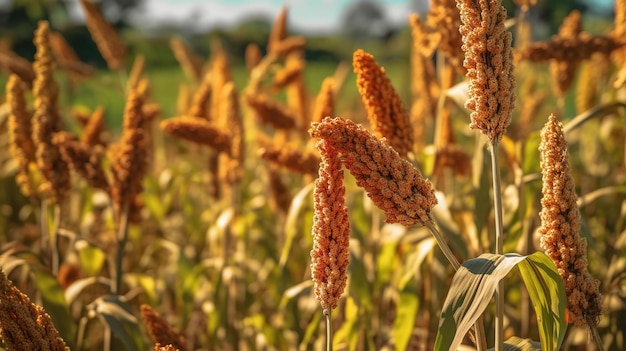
[473,287]
[547,294]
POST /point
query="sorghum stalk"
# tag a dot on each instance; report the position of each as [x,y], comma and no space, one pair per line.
[330,255]
[489,64]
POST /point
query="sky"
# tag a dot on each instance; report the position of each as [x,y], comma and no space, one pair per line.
[303,15]
[311,16]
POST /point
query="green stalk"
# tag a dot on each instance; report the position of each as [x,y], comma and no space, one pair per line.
[497,203]
[481,341]
[122,237]
[329,330]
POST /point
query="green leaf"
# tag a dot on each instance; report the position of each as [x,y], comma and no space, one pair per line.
[91,257]
[408,306]
[547,294]
[298,205]
[415,260]
[473,287]
[515,343]
[116,314]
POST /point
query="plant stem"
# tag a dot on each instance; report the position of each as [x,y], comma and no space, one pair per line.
[329,330]
[122,236]
[443,245]
[481,341]
[497,203]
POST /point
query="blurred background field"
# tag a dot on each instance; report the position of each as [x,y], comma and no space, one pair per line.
[334,30]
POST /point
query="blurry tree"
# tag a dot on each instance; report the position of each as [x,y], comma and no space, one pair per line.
[366,19]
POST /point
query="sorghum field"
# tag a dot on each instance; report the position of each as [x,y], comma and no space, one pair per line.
[250,211]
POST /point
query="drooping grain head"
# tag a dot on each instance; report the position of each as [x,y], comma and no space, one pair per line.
[24,325]
[619,32]
[46,121]
[560,227]
[489,64]
[564,71]
[444,17]
[234,124]
[201,100]
[385,110]
[330,255]
[252,56]
[272,112]
[21,144]
[92,133]
[278,32]
[393,184]
[325,101]
[130,156]
[83,159]
[288,75]
[136,72]
[107,39]
[188,61]
[289,156]
[220,76]
[199,131]
[424,86]
[12,63]
[296,92]
[67,59]
[160,331]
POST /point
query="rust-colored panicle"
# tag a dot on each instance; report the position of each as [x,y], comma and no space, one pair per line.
[385,110]
[13,63]
[619,32]
[199,131]
[20,135]
[524,4]
[393,184]
[252,56]
[201,99]
[105,36]
[325,101]
[159,347]
[330,255]
[564,71]
[183,99]
[560,227]
[489,64]
[424,87]
[234,124]
[271,111]
[67,59]
[160,331]
[83,159]
[281,198]
[220,76]
[92,133]
[289,45]
[278,32]
[588,84]
[445,18]
[24,325]
[136,72]
[46,121]
[150,111]
[188,61]
[297,96]
[577,49]
[130,156]
[289,74]
[289,156]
